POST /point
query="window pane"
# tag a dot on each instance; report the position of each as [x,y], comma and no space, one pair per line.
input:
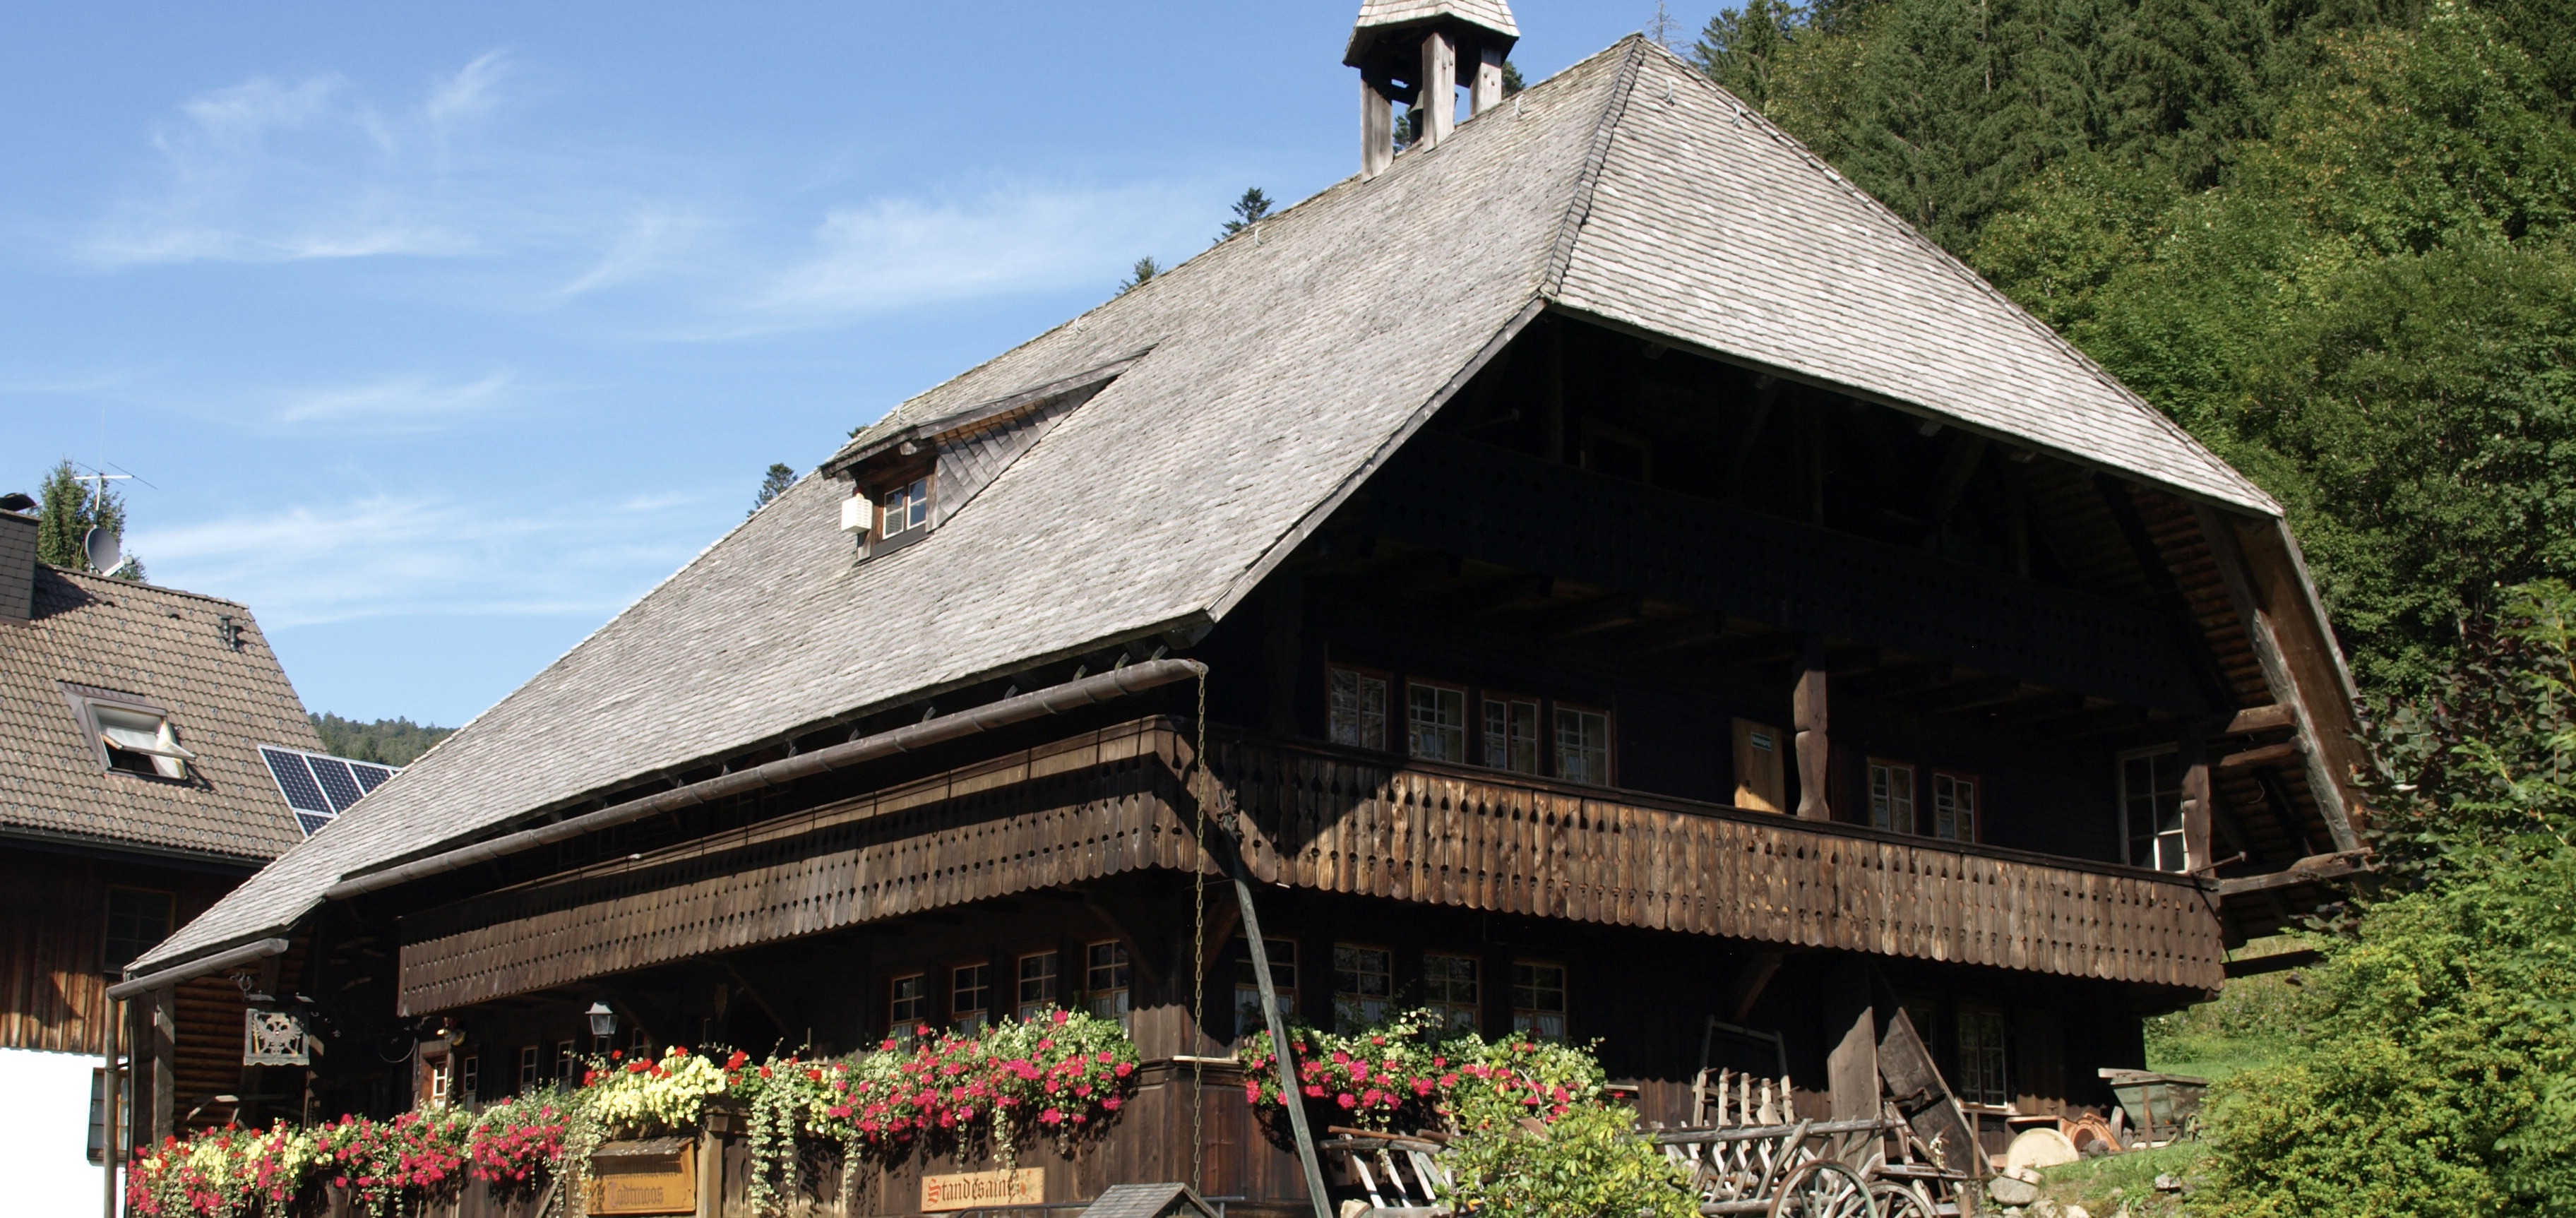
[1247,986]
[1437,717]
[136,920]
[1538,999]
[910,1004]
[1358,709]
[1363,985]
[970,996]
[1105,980]
[1511,735]
[1037,984]
[1449,985]
[1954,807]
[1891,796]
[1583,746]
[1981,1058]
[2151,801]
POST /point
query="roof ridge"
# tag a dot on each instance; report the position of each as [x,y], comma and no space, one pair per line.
[94,577]
[1957,266]
[1605,127]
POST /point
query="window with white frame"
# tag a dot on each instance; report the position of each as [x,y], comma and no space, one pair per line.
[1954,806]
[970,997]
[1363,985]
[907,507]
[567,1062]
[1583,745]
[1511,734]
[1358,707]
[1538,998]
[2151,809]
[1105,980]
[1435,718]
[1248,1020]
[1450,990]
[907,1003]
[1038,972]
[530,1071]
[1891,795]
[1981,1057]
[469,1078]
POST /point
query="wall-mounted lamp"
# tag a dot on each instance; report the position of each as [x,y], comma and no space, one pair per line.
[603,1022]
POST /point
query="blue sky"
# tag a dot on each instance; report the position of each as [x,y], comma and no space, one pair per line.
[442,333]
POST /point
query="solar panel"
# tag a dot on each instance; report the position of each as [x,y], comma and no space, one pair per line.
[337,782]
[296,782]
[318,786]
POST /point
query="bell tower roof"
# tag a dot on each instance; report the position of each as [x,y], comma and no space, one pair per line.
[1385,38]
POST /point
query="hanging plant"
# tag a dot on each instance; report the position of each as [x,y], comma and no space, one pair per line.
[1401,1074]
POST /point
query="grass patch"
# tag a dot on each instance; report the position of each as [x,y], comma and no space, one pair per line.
[2254,1021]
[2102,1186]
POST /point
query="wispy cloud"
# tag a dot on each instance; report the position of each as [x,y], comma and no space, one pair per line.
[402,555]
[890,254]
[271,171]
[405,403]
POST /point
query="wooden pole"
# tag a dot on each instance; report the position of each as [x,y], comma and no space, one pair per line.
[2195,799]
[1377,130]
[1290,1095]
[1807,708]
[1487,91]
[1438,98]
[109,1088]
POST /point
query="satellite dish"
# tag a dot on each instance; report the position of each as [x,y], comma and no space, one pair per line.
[105,553]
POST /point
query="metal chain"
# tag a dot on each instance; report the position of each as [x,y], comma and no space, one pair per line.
[1198,943]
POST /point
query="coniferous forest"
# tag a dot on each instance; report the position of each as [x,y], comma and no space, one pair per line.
[2332,239]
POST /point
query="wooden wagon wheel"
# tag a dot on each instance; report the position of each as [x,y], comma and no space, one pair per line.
[1824,1188]
[1903,1200]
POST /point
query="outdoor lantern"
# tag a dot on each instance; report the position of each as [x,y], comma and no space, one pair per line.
[603,1022]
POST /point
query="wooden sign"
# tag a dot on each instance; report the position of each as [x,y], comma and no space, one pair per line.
[656,1177]
[1026,1186]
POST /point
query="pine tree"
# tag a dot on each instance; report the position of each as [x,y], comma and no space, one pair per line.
[1251,209]
[67,508]
[1145,268]
[772,484]
[1740,46]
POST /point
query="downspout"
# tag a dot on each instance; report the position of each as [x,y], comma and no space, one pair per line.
[1053,700]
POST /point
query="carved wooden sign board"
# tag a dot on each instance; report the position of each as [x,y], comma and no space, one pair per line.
[970,1190]
[655,1177]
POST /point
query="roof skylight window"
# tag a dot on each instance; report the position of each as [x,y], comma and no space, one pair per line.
[140,742]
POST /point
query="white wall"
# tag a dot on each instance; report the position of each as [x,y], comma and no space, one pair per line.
[44,1135]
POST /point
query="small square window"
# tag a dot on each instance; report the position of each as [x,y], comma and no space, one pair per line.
[1891,795]
[1363,985]
[1105,983]
[1435,721]
[1583,745]
[1954,806]
[137,919]
[1511,734]
[1450,989]
[970,997]
[909,1005]
[1358,708]
[438,1080]
[1538,998]
[1037,985]
[2151,808]
[1248,1020]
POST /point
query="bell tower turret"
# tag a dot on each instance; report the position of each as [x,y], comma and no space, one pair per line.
[1414,51]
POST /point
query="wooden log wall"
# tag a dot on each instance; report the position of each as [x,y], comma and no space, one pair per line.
[53,942]
[1111,801]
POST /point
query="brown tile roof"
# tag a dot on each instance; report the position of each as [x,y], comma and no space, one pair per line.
[166,648]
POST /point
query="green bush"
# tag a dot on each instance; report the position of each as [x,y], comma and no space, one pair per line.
[1588,1164]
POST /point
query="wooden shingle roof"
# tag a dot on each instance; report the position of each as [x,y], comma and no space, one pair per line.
[167,649]
[1280,370]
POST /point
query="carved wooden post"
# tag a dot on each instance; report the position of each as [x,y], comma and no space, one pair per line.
[2195,799]
[1438,99]
[1807,709]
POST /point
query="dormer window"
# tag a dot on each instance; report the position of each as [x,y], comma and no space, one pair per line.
[907,507]
[128,734]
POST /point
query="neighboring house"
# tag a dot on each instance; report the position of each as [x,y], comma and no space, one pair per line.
[1530,500]
[133,794]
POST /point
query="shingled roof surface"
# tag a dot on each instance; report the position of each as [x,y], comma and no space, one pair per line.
[165,648]
[1280,368]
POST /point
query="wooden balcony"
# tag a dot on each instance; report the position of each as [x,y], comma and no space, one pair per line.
[1352,822]
[1115,801]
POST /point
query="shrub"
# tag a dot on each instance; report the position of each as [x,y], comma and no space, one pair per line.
[1588,1163]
